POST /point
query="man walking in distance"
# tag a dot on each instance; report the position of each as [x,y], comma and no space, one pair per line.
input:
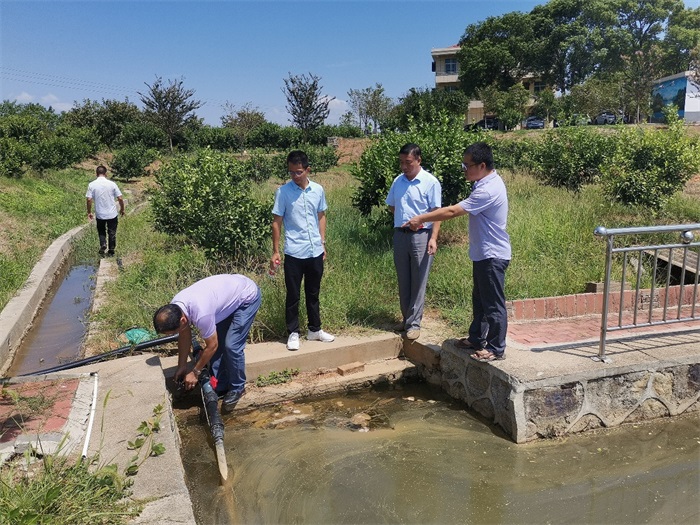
[413,192]
[222,308]
[102,192]
[489,249]
[300,205]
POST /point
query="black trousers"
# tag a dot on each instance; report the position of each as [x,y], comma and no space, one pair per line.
[311,271]
[107,229]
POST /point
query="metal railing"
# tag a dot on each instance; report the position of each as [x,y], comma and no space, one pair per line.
[662,294]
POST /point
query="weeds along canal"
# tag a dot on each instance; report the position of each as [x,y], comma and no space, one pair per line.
[57,332]
[410,454]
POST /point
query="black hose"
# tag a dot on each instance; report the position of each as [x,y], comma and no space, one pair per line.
[112,353]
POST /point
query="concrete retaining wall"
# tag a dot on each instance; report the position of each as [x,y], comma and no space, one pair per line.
[566,403]
[17,317]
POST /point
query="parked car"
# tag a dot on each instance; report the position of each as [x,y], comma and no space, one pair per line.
[484,123]
[609,117]
[534,123]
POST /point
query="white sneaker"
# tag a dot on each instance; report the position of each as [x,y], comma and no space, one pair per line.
[293,341]
[319,336]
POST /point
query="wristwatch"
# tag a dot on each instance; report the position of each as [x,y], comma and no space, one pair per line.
[196,372]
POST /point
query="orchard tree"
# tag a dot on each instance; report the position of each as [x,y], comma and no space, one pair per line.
[306,104]
[425,105]
[370,105]
[169,107]
[508,106]
[243,121]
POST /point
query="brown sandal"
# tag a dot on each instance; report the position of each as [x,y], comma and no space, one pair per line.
[465,344]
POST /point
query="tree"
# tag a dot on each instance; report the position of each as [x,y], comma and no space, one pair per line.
[306,104]
[370,105]
[243,121]
[547,106]
[498,51]
[425,105]
[565,42]
[508,106]
[169,107]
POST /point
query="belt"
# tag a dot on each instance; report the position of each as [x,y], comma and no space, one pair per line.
[409,230]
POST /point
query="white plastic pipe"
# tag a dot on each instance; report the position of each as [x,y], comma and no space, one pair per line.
[92,415]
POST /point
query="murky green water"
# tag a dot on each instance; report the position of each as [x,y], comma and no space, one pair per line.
[410,455]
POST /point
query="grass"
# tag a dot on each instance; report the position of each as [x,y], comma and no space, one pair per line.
[59,491]
[34,211]
[554,253]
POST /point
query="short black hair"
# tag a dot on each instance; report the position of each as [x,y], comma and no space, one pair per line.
[167,318]
[298,157]
[410,149]
[101,170]
[480,152]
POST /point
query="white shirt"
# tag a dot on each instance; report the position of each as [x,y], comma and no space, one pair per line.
[103,192]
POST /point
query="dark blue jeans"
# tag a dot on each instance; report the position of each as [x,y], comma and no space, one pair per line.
[490,325]
[228,362]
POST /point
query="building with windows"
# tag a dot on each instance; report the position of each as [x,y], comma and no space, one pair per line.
[446,69]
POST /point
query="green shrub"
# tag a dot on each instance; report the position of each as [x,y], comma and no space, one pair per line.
[570,157]
[259,166]
[220,139]
[26,128]
[64,148]
[14,154]
[131,161]
[649,166]
[206,197]
[442,143]
[142,132]
[515,154]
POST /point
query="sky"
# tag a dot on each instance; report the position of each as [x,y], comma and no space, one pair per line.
[239,52]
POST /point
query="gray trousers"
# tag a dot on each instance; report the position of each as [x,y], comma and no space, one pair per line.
[412,268]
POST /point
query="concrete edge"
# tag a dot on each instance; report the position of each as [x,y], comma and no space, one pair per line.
[19,313]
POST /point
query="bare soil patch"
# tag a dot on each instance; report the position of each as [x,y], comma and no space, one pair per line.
[350,150]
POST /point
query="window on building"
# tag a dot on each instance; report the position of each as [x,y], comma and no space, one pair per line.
[539,87]
[450,66]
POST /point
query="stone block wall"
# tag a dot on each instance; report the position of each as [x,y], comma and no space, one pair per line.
[557,406]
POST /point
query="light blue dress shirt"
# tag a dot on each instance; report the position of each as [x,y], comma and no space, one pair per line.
[299,210]
[413,197]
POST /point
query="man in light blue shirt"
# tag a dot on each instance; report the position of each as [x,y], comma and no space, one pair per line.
[413,192]
[489,249]
[300,206]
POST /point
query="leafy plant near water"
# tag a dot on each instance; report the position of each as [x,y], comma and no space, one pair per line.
[649,166]
[55,490]
[145,441]
[276,378]
[206,197]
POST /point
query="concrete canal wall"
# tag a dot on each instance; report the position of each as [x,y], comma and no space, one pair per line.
[530,400]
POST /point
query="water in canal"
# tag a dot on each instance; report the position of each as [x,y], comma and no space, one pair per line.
[409,454]
[59,328]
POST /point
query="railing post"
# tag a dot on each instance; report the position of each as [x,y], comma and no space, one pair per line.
[601,231]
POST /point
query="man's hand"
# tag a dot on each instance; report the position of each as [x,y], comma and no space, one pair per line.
[181,372]
[413,223]
[275,261]
[432,247]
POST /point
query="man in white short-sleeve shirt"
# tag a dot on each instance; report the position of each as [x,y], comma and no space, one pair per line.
[103,192]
